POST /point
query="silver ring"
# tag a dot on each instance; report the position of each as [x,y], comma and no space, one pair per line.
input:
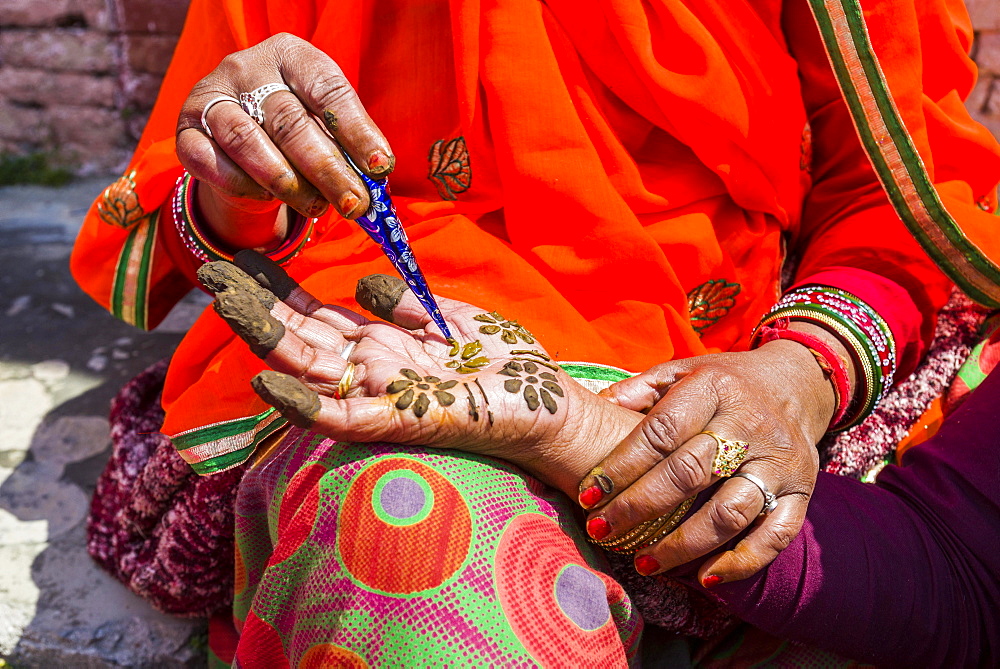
[214,101]
[253,102]
[346,353]
[770,500]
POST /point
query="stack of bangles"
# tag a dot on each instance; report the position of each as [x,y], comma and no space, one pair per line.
[859,328]
[199,243]
[647,533]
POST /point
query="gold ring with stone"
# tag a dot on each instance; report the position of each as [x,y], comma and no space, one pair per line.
[729,455]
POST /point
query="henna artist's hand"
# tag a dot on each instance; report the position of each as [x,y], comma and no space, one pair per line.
[246,170]
[496,394]
[775,398]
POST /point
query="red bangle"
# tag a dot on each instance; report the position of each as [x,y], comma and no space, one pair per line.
[832,364]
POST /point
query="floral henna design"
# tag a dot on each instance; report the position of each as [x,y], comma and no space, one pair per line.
[413,392]
[509,331]
[469,359]
[535,386]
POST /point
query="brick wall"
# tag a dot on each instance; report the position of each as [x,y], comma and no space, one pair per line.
[984,103]
[78,77]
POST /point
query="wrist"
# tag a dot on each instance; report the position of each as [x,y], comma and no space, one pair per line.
[592,429]
[239,223]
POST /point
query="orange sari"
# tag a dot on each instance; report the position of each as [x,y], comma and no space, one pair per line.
[624,178]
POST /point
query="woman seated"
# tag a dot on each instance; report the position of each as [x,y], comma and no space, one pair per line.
[634,184]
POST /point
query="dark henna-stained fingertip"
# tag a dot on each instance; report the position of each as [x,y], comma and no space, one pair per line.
[266,272]
[288,395]
[250,320]
[222,277]
[380,294]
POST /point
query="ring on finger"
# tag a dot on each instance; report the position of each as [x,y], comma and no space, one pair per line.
[729,455]
[211,103]
[345,382]
[770,499]
[253,102]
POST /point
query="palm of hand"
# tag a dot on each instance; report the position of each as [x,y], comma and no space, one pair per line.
[495,393]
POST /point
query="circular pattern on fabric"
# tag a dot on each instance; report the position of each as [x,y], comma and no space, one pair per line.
[403,527]
[554,603]
[402,498]
[582,596]
[328,656]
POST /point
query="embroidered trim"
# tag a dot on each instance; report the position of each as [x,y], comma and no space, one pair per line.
[711,301]
[893,154]
[130,287]
[224,445]
[450,169]
[119,205]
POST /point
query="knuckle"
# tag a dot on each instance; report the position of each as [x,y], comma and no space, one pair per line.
[686,471]
[238,136]
[660,430]
[632,509]
[288,119]
[779,536]
[728,516]
[330,88]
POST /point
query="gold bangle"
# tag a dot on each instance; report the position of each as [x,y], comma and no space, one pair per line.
[648,532]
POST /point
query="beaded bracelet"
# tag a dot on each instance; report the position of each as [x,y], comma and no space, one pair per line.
[833,366]
[863,332]
[199,243]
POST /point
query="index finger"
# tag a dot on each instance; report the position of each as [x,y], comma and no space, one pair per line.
[682,413]
[324,89]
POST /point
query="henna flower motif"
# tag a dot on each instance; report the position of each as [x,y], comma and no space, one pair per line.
[711,301]
[119,205]
[413,392]
[536,387]
[468,356]
[449,167]
[509,331]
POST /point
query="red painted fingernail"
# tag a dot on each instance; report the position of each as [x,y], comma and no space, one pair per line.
[348,203]
[591,496]
[711,580]
[646,565]
[379,163]
[598,528]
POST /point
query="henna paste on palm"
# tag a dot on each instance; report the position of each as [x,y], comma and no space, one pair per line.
[266,272]
[537,388]
[224,277]
[413,392]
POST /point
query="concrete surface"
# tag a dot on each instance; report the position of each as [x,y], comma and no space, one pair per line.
[62,358]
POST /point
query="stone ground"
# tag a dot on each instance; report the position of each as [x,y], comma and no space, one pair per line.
[62,358]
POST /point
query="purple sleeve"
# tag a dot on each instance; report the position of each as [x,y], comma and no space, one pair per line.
[905,572]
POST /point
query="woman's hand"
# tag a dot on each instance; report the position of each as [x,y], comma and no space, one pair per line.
[775,398]
[497,393]
[293,157]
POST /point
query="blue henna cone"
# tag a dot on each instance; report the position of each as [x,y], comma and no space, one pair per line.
[382,225]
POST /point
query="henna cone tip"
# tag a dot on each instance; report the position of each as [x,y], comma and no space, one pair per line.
[380,294]
[266,272]
[288,395]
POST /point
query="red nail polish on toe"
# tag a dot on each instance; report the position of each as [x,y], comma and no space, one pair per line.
[598,528]
[591,496]
[646,565]
[711,580]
